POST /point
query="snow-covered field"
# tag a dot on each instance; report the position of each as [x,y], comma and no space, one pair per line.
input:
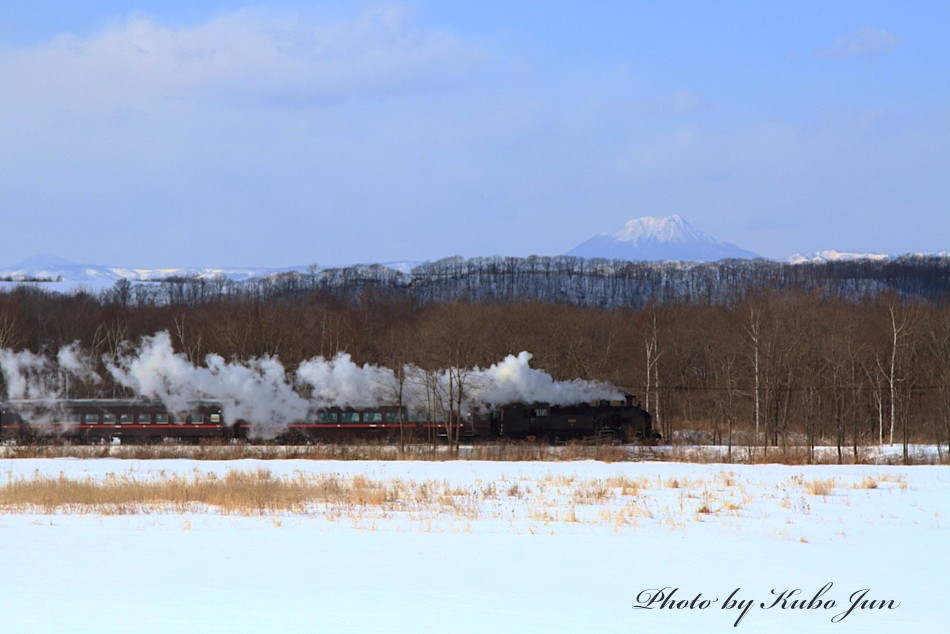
[501,547]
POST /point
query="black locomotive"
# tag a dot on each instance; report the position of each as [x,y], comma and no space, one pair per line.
[622,420]
[142,420]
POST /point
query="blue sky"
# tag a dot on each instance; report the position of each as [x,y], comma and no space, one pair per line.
[275,134]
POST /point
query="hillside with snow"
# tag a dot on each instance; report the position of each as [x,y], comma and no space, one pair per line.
[664,258]
[458,546]
[651,239]
[832,255]
[66,274]
[59,274]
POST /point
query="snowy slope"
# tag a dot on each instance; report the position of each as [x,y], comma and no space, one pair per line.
[547,547]
[63,275]
[95,276]
[659,238]
[831,255]
[644,239]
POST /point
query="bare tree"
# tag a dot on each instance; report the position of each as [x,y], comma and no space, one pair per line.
[753,331]
[7,330]
[899,318]
[191,347]
[108,342]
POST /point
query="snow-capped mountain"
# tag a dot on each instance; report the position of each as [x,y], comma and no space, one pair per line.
[643,239]
[52,268]
[63,275]
[831,255]
[659,238]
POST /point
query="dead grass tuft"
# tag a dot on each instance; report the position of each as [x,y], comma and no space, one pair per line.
[238,492]
[513,451]
[820,486]
[594,492]
[628,486]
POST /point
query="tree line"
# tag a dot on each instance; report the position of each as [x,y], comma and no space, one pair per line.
[579,281]
[769,368]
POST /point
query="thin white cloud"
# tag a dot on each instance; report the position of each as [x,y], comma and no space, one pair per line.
[863,42]
[250,56]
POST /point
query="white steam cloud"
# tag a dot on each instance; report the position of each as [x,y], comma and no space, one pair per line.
[514,380]
[26,375]
[256,390]
[342,383]
[261,392]
[73,361]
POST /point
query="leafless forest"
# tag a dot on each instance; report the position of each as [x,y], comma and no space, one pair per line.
[860,360]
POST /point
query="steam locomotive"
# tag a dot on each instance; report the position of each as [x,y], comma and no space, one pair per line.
[143,421]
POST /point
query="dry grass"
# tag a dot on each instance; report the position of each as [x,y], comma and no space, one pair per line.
[881,480]
[548,502]
[240,451]
[239,492]
[628,486]
[794,455]
[533,451]
[728,478]
[542,452]
[595,492]
[527,451]
[335,497]
[820,486]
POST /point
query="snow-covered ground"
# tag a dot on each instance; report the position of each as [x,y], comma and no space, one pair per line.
[522,547]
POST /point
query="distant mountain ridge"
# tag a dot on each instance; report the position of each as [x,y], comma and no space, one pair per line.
[831,255]
[51,267]
[669,238]
[647,239]
[59,274]
[574,280]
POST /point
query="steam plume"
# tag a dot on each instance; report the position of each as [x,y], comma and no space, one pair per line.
[514,380]
[261,392]
[255,391]
[26,375]
[340,382]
